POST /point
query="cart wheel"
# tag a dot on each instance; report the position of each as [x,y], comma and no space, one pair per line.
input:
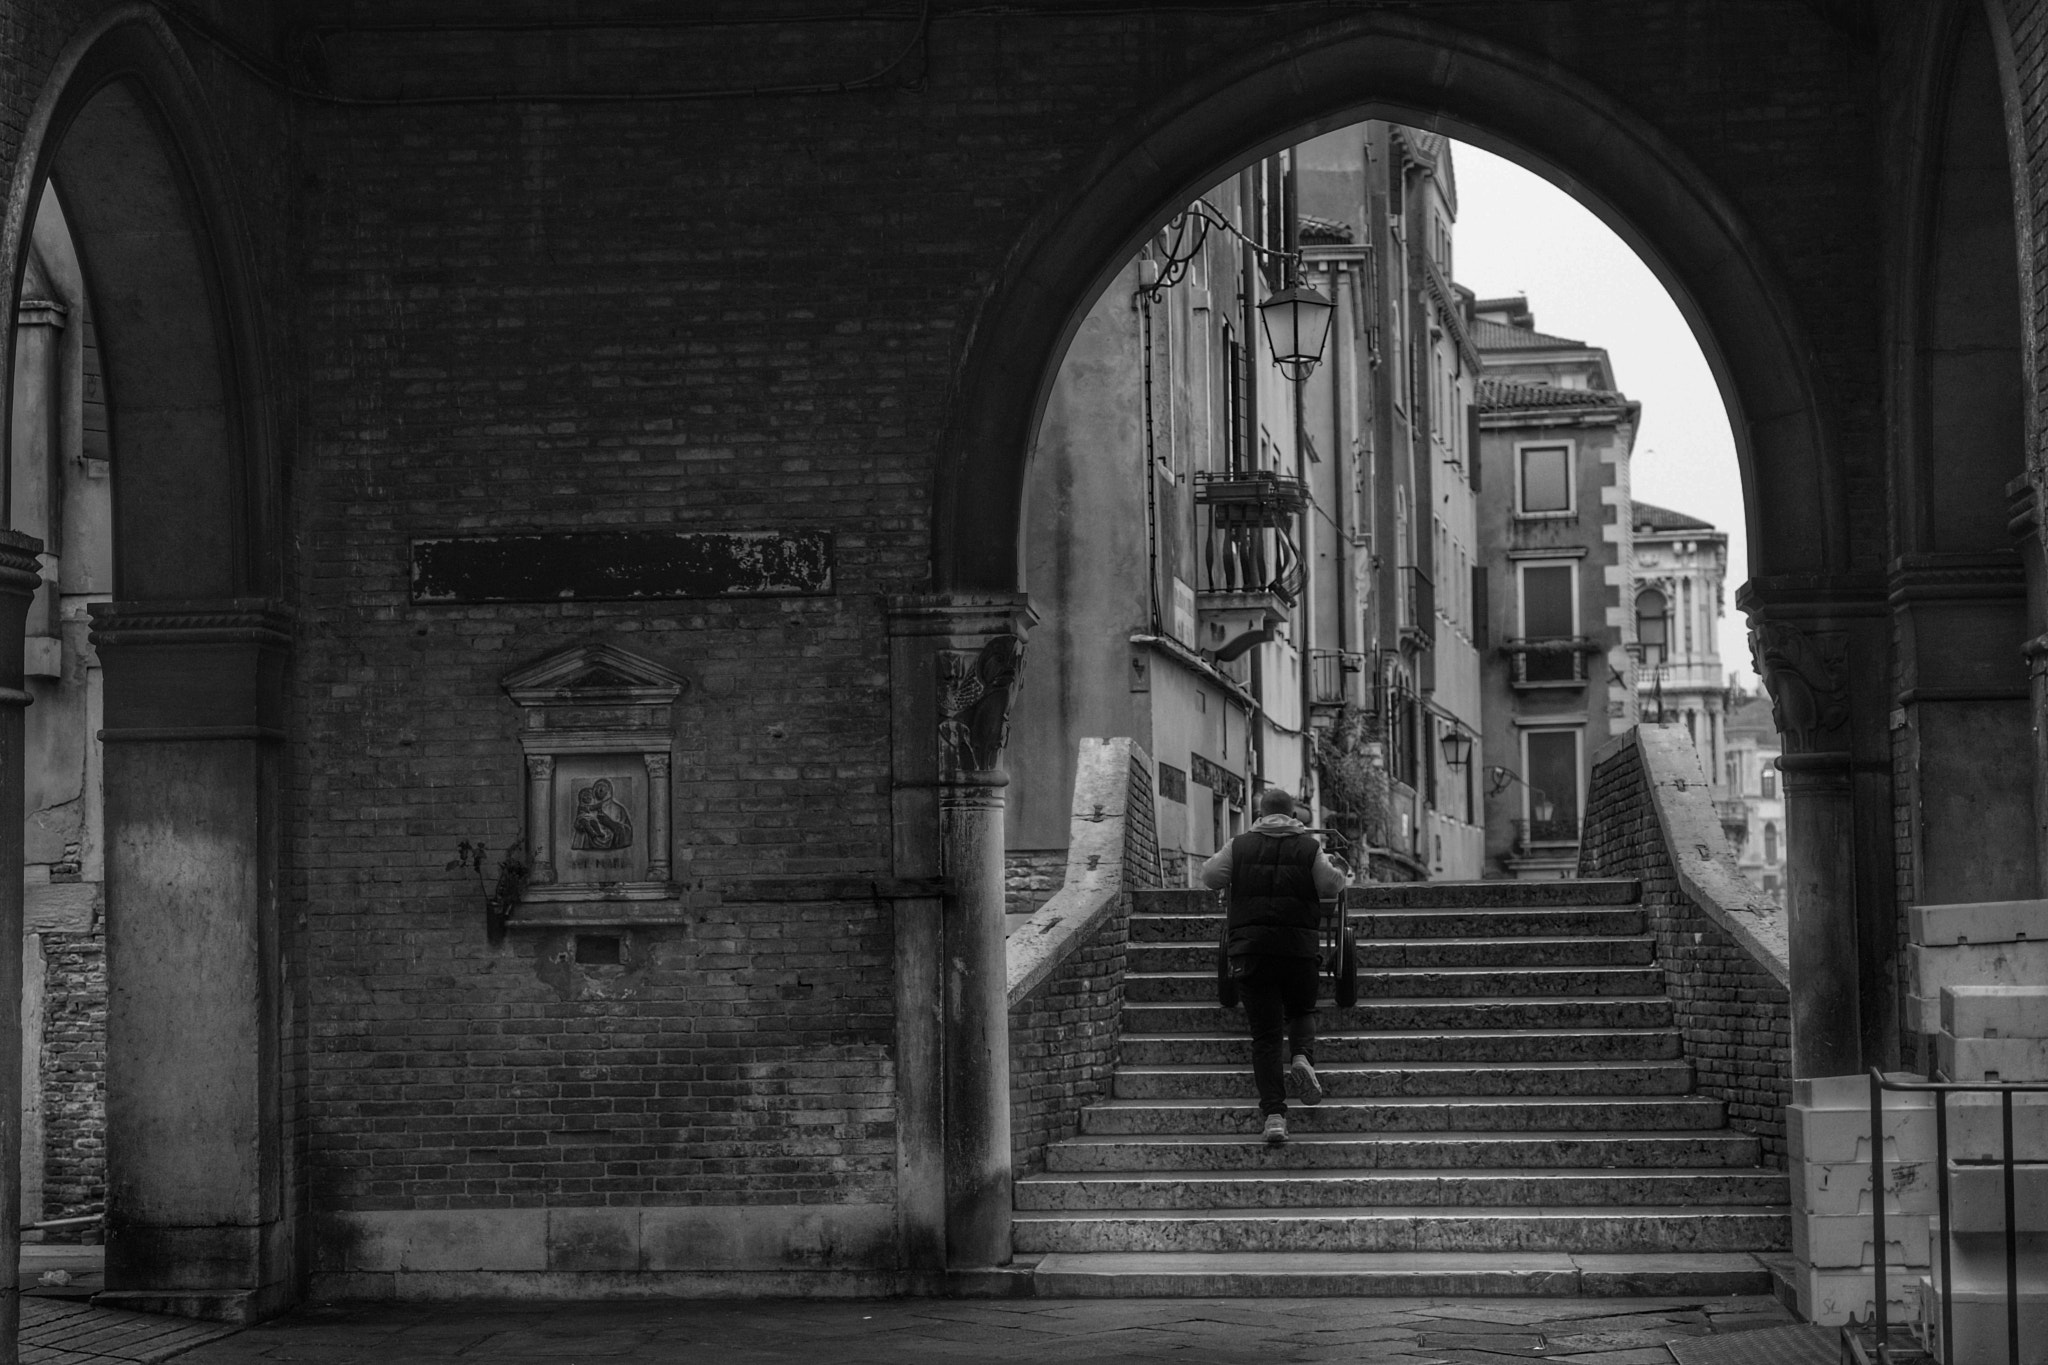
[1347,969]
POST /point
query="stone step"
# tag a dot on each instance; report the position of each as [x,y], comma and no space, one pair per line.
[1292,1189]
[1396,1274]
[1437,1152]
[1653,1229]
[1533,1012]
[1418,1079]
[1383,954]
[1494,895]
[1203,922]
[1436,1114]
[1439,983]
[1498,1045]
[1587,922]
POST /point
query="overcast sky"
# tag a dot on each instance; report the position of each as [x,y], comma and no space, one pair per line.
[1519,234]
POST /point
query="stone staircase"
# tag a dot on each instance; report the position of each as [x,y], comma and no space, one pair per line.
[1508,1111]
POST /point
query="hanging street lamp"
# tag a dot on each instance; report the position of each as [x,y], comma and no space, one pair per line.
[1297,323]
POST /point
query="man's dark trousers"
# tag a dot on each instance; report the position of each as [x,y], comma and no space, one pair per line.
[1279,998]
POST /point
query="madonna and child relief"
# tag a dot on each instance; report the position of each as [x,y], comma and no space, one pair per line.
[599,815]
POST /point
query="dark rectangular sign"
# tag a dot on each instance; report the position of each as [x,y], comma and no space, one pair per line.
[620,566]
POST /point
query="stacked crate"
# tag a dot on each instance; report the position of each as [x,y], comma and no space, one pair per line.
[1828,1130]
[1992,1034]
[1990,943]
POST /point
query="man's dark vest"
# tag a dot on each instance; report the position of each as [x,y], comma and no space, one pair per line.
[1274,909]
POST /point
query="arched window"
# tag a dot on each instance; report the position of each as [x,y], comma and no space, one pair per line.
[1653,626]
[1771,842]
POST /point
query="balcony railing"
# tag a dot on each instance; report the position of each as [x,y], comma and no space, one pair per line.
[1418,607]
[1331,674]
[1549,662]
[1248,539]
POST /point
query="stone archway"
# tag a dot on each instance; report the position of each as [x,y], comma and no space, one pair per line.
[1804,593]
[199,1216]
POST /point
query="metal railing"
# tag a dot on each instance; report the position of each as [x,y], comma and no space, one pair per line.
[1330,675]
[1881,1347]
[1555,659]
[1248,540]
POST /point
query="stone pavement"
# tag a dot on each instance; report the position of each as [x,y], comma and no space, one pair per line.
[1736,1331]
[70,1332]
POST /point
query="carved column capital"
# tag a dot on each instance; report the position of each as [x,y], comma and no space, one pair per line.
[976,646]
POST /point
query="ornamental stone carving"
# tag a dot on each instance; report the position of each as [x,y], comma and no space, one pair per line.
[1807,677]
[597,731]
[975,691]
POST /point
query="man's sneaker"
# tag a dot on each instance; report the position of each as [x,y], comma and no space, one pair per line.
[1276,1129]
[1308,1087]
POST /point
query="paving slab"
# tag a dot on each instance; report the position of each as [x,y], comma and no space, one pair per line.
[1047,1331]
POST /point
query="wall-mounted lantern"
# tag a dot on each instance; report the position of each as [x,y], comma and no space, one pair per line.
[1297,323]
[1457,745]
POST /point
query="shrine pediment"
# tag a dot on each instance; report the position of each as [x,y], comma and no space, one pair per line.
[593,675]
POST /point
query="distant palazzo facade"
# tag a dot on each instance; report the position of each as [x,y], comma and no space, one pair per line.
[1753,811]
[1681,564]
[1555,442]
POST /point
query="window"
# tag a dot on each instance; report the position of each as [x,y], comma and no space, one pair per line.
[1653,626]
[1771,842]
[1550,758]
[1546,480]
[1770,783]
[1549,612]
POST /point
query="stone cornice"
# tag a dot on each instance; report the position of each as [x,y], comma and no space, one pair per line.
[218,621]
[1939,577]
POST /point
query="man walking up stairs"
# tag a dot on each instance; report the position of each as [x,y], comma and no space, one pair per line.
[1507,1111]
[1275,877]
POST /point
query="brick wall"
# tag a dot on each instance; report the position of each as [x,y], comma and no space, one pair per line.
[1030,876]
[1064,1037]
[1733,1013]
[74,1066]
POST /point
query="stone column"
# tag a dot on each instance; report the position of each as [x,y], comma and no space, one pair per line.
[660,838]
[19,579]
[954,664]
[197,1221]
[540,818]
[1821,647]
[2026,528]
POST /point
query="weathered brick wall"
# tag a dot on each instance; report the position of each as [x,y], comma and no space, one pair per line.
[1030,876]
[1063,1039]
[74,1066]
[1735,1017]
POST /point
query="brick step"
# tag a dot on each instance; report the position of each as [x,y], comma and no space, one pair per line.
[1439,983]
[1336,1188]
[1383,954]
[1533,1012]
[1419,1079]
[1500,1045]
[1436,1114]
[1563,1229]
[1398,1274]
[1569,893]
[1437,1152]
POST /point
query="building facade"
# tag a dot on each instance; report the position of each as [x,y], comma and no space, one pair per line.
[1680,565]
[1753,803]
[1555,442]
[1297,609]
